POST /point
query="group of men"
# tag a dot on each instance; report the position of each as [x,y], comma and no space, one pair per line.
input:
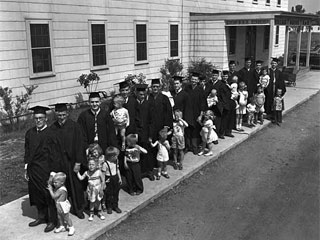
[61,146]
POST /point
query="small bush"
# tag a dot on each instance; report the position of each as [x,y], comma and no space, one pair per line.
[201,66]
[168,70]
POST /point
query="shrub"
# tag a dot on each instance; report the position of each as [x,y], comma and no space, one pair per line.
[201,66]
[89,81]
[168,70]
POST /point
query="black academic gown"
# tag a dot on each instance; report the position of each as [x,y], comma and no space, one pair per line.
[182,102]
[248,77]
[70,136]
[106,130]
[43,155]
[130,105]
[276,82]
[143,123]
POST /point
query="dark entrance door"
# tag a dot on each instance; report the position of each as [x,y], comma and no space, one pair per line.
[251,33]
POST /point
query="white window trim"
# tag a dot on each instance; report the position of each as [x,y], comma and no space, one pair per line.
[100,67]
[169,40]
[33,75]
[275,35]
[135,23]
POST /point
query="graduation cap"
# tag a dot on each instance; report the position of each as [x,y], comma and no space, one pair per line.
[259,62]
[225,72]
[39,109]
[273,59]
[123,84]
[232,62]
[155,81]
[247,59]
[60,107]
[195,74]
[177,77]
[94,95]
[141,87]
[215,71]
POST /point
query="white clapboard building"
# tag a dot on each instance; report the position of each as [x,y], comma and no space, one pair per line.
[50,43]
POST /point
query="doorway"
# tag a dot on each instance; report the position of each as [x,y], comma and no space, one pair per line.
[251,34]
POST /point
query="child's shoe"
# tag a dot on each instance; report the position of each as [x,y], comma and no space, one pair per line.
[100,215]
[59,229]
[201,153]
[215,142]
[90,217]
[158,176]
[209,154]
[103,206]
[165,175]
[180,166]
[175,166]
[71,231]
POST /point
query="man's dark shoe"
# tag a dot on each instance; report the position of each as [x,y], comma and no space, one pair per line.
[37,222]
[109,211]
[49,227]
[229,135]
[117,210]
[221,137]
[151,177]
[80,215]
[138,192]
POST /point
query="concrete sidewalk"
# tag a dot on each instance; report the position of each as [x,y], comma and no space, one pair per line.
[16,215]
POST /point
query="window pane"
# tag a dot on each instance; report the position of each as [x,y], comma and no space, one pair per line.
[39,35]
[141,51]
[99,55]
[232,40]
[266,37]
[41,60]
[173,32]
[98,34]
[141,32]
[174,49]
[277,35]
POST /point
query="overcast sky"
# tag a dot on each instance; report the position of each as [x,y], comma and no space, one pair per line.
[311,6]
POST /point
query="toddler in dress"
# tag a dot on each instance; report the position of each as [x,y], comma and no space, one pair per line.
[208,134]
[163,153]
[241,110]
[96,185]
[120,117]
[264,78]
[259,98]
[251,109]
[60,195]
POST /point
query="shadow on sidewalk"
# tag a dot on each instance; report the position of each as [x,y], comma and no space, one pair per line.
[27,210]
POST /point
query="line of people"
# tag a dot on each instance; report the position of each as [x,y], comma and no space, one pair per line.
[70,165]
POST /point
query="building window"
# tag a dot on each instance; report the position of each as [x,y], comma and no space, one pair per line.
[278,3]
[174,40]
[277,36]
[232,40]
[98,45]
[255,1]
[40,48]
[141,42]
[268,2]
[266,37]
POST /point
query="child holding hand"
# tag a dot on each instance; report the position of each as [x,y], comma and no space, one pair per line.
[96,184]
[60,195]
[120,117]
[251,109]
[208,134]
[241,110]
[163,153]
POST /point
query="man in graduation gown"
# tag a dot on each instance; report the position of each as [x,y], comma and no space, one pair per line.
[230,117]
[130,105]
[143,126]
[198,105]
[223,106]
[232,71]
[96,124]
[161,114]
[276,82]
[42,157]
[257,71]
[205,85]
[246,75]
[70,136]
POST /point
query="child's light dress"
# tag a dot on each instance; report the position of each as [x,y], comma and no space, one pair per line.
[120,118]
[264,81]
[207,135]
[243,96]
[163,154]
[94,186]
[63,206]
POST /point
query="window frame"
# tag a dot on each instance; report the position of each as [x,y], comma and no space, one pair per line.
[266,35]
[278,3]
[277,33]
[51,73]
[267,2]
[254,1]
[173,23]
[98,22]
[135,23]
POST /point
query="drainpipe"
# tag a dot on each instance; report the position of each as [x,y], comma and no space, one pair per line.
[308,46]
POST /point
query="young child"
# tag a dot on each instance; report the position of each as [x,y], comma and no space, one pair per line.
[95,151]
[163,153]
[278,107]
[234,90]
[113,180]
[259,101]
[132,165]
[241,110]
[208,134]
[212,98]
[96,184]
[251,109]
[264,78]
[120,117]
[177,140]
[60,195]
